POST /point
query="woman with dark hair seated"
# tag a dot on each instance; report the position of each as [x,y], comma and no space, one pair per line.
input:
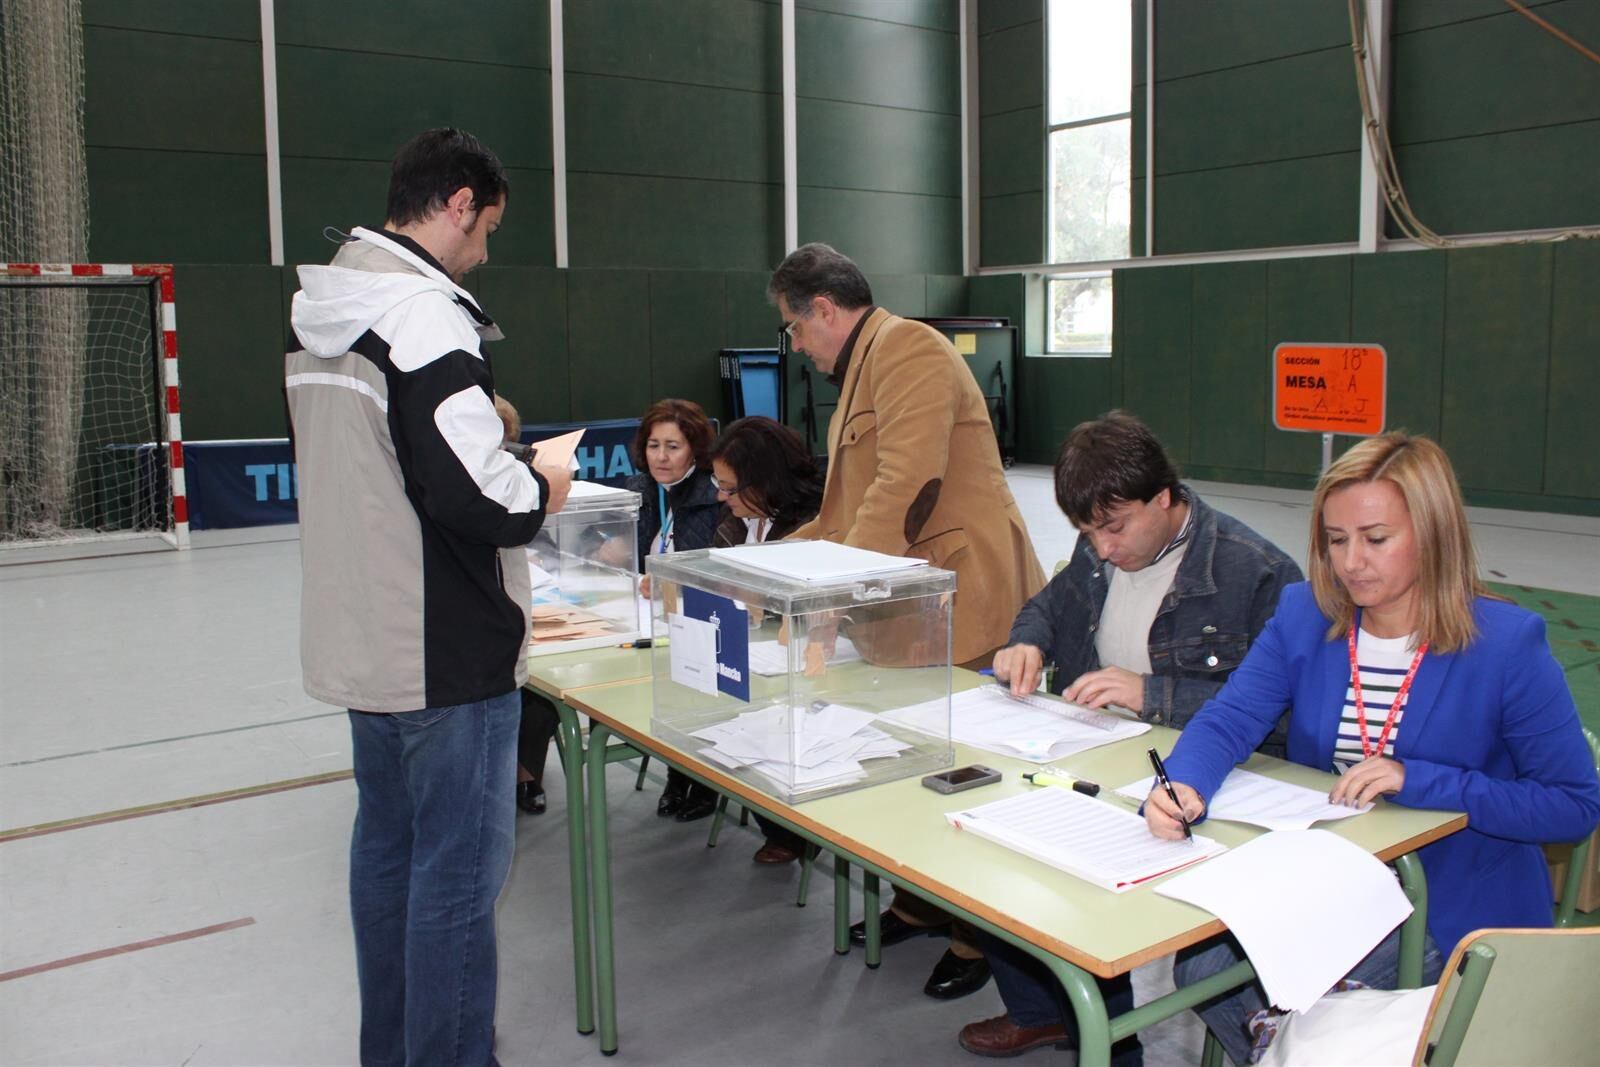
[678,511]
[771,485]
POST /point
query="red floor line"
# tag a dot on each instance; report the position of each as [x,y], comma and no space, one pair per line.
[23,833]
[100,954]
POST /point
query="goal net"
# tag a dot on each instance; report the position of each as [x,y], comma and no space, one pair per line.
[89,437]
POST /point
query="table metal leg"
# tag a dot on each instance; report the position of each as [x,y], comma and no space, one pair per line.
[870,916]
[600,868]
[1414,931]
[841,905]
[1089,1009]
[578,865]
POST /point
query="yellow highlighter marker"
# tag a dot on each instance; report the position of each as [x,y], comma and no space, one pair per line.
[1062,781]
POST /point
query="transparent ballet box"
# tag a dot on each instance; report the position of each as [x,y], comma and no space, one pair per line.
[584,571]
[800,688]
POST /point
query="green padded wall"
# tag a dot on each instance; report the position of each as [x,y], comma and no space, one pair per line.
[1011,132]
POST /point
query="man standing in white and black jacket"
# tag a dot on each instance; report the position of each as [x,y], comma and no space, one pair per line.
[414,609]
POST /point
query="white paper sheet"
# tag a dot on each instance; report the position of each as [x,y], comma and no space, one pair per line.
[814,561]
[1035,728]
[800,747]
[1253,798]
[1306,905]
[1080,835]
[770,659]
[693,653]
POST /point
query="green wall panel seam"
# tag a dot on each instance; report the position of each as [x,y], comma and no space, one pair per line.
[414,55]
[665,177]
[1256,163]
[874,104]
[1481,134]
[886,192]
[172,33]
[884,22]
[173,151]
[1160,81]
[669,81]
[1471,18]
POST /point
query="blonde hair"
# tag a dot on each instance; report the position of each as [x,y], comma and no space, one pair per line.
[508,418]
[1447,567]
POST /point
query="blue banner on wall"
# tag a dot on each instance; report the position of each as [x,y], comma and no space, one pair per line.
[255,483]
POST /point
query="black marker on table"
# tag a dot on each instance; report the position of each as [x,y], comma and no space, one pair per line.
[1166,783]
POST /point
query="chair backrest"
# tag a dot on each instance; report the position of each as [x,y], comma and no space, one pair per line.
[1581,861]
[1536,1005]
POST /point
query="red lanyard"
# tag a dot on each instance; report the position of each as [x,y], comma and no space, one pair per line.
[1367,749]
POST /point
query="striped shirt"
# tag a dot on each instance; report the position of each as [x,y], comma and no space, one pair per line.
[1384,662]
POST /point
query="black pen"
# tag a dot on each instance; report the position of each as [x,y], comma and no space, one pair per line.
[1166,783]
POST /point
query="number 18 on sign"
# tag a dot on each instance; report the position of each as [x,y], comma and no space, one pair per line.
[1329,389]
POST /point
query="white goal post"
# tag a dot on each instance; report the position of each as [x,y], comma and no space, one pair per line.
[91,444]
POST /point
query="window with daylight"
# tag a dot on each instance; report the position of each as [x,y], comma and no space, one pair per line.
[1090,80]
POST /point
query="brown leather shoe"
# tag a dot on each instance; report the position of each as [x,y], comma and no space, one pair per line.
[775,854]
[1000,1037]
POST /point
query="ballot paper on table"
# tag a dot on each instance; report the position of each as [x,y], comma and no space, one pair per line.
[692,653]
[770,658]
[814,561]
[1084,837]
[1254,798]
[1306,905]
[802,748]
[1033,728]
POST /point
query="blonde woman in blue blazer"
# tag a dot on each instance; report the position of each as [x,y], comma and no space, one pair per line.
[1461,706]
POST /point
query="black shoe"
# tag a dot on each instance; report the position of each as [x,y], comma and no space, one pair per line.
[530,797]
[698,804]
[954,977]
[893,930]
[672,799]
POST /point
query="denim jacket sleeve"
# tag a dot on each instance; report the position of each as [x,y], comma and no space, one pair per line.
[1172,700]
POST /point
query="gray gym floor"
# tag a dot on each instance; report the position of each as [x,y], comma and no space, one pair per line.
[213,930]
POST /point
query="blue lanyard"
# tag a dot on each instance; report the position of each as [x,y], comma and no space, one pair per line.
[666,516]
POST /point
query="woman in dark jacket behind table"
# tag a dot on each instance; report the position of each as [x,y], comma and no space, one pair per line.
[678,511]
[771,485]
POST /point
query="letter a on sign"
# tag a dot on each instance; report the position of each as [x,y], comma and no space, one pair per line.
[1329,388]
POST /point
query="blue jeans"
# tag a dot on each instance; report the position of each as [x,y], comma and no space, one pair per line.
[1226,1016]
[429,854]
[1033,997]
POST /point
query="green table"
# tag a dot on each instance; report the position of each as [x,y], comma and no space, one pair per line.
[558,676]
[897,831]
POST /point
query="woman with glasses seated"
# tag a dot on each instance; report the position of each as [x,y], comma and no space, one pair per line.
[771,485]
[1406,677]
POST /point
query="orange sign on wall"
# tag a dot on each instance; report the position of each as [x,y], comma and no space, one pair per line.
[1329,388]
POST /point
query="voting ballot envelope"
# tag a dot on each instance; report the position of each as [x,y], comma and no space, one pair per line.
[777,663]
[583,568]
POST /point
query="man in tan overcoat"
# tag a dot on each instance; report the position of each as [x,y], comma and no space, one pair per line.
[913,465]
[913,470]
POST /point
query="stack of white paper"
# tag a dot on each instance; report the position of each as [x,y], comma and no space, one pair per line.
[769,658]
[814,561]
[1306,905]
[1084,837]
[800,748]
[1034,728]
[1261,801]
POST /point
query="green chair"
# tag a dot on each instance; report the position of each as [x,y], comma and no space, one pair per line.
[1516,996]
[1567,905]
[1507,997]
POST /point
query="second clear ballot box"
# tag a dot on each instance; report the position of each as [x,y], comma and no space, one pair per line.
[802,688]
[584,570]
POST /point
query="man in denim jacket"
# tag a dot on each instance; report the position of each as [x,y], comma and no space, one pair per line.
[1161,599]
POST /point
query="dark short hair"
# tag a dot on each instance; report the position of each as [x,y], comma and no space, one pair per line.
[1109,461]
[431,166]
[692,423]
[815,270]
[776,472]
